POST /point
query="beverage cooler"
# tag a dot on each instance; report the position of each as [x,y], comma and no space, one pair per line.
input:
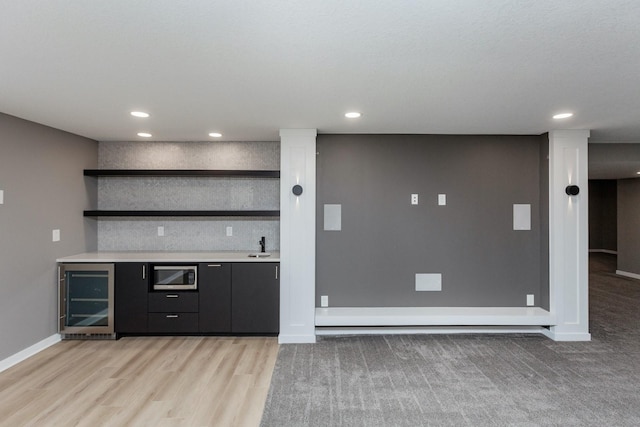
[86,300]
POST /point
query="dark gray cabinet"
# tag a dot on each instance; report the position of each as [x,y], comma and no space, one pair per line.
[255,298]
[214,287]
[173,312]
[131,297]
[232,298]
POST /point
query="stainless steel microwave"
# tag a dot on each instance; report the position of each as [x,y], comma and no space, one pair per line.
[175,277]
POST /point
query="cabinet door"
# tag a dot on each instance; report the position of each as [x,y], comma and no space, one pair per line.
[131,290]
[255,298]
[214,287]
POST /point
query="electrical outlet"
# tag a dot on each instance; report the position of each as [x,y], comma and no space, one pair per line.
[442,199]
[1,197]
[160,231]
[414,199]
[530,300]
[229,231]
[55,236]
[324,301]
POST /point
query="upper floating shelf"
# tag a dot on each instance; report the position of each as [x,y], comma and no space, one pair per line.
[193,213]
[220,173]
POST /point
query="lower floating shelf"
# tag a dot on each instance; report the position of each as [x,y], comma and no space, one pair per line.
[192,213]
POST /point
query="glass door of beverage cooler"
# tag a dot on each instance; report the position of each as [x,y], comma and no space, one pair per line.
[86,298]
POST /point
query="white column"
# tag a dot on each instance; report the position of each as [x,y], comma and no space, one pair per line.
[568,235]
[297,236]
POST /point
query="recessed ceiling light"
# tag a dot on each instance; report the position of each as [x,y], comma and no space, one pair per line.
[562,116]
[215,134]
[144,134]
[139,114]
[353,115]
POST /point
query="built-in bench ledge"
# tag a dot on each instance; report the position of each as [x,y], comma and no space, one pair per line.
[433,316]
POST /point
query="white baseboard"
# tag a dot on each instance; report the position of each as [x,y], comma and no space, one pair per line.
[296,339]
[28,352]
[604,251]
[391,330]
[627,274]
[567,336]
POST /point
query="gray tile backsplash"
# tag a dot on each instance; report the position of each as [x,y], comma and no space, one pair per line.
[184,234]
[189,155]
[189,193]
[180,193]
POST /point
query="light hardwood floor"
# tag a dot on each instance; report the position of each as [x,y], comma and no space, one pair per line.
[146,381]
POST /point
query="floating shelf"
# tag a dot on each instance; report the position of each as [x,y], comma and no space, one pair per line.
[193,213]
[213,173]
[219,173]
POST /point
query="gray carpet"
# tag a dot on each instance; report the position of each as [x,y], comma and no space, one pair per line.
[471,380]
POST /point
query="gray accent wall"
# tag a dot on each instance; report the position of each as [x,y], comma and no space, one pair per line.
[543,212]
[385,241]
[44,189]
[603,214]
[629,225]
[179,193]
[614,160]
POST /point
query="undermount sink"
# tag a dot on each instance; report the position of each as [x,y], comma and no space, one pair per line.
[260,255]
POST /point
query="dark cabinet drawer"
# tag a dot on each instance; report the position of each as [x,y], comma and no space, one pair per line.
[167,323]
[173,302]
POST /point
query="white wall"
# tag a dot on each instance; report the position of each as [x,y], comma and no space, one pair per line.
[297,236]
[569,235]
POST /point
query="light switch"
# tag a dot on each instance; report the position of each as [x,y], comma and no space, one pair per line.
[324,301]
[161,231]
[55,236]
[530,300]
[442,199]
[229,231]
[1,197]
[414,199]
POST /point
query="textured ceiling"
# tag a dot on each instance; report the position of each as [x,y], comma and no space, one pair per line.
[249,68]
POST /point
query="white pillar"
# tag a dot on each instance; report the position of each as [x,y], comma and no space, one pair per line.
[297,236]
[569,235]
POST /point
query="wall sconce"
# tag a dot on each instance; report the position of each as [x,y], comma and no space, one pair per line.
[572,190]
[297,189]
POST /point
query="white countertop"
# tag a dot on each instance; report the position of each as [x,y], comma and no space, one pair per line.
[204,256]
